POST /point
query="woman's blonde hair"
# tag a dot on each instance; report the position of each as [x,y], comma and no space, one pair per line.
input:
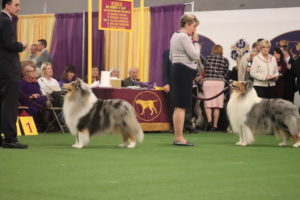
[43,67]
[217,50]
[188,19]
[265,43]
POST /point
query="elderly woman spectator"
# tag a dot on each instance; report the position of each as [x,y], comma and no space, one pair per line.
[30,93]
[47,83]
[215,73]
[184,54]
[68,75]
[24,63]
[264,72]
[114,72]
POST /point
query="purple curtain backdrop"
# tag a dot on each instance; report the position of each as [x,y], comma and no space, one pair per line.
[98,43]
[164,22]
[67,43]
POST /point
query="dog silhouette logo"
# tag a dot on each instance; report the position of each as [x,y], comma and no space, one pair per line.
[147,105]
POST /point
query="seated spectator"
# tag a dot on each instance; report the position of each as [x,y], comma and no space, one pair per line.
[46,82]
[24,64]
[31,95]
[114,72]
[68,76]
[95,77]
[95,74]
[132,79]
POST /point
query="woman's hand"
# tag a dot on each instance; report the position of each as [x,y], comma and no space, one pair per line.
[198,78]
[195,37]
[269,76]
[35,96]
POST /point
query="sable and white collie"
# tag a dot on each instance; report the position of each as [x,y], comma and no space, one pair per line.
[85,115]
[248,114]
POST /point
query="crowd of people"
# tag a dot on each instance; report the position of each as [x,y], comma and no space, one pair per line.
[274,72]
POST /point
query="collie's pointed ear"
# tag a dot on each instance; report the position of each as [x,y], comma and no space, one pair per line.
[78,83]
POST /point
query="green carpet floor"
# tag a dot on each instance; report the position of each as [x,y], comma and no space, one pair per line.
[215,169]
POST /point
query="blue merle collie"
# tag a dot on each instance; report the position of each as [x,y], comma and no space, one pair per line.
[86,115]
[248,114]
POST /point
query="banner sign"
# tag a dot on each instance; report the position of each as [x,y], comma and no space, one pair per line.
[115,15]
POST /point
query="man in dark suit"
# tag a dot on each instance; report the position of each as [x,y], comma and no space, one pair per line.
[45,56]
[10,73]
[132,79]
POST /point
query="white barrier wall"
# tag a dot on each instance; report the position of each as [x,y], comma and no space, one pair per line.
[226,27]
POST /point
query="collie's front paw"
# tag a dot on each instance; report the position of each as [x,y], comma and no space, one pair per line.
[282,144]
[296,145]
[131,145]
[239,143]
[74,145]
[77,146]
[123,145]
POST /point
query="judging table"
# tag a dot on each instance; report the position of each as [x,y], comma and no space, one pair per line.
[152,106]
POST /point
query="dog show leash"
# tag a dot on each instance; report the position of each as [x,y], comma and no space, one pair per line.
[210,98]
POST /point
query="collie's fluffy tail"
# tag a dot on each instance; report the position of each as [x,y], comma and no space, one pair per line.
[293,125]
[298,126]
[134,127]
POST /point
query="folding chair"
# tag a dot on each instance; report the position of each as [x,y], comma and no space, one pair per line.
[57,112]
[21,109]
